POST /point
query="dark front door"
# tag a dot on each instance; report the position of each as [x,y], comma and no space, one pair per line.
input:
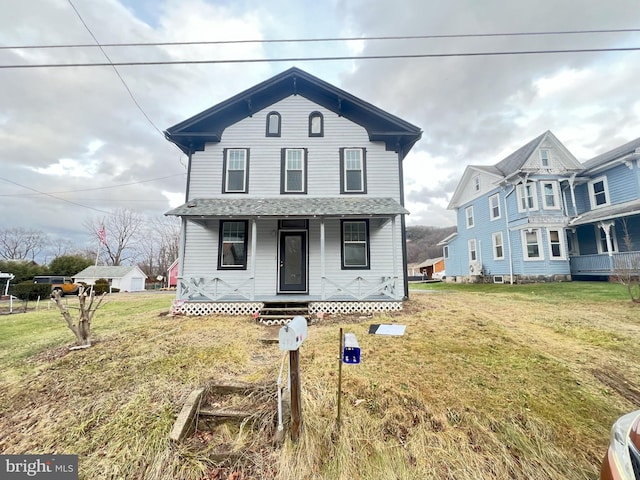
[293,262]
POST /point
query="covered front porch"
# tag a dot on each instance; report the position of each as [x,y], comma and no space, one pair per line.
[605,265]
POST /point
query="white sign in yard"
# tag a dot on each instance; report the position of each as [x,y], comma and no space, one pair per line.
[397,330]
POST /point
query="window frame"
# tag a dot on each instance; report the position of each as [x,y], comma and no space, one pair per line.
[468,216]
[544,157]
[472,251]
[221,242]
[493,217]
[284,171]
[343,170]
[521,190]
[525,245]
[366,242]
[592,193]
[494,237]
[445,251]
[313,115]
[476,183]
[556,195]
[561,244]
[225,170]
[268,132]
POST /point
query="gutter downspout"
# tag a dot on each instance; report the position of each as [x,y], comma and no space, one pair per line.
[506,222]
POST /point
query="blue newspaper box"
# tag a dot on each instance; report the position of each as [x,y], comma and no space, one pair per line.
[351,349]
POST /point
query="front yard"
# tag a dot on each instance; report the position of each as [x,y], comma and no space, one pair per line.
[489,381]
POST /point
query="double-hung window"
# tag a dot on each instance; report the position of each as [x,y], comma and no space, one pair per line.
[599,192]
[294,170]
[550,196]
[468,213]
[235,170]
[232,248]
[355,244]
[531,244]
[353,171]
[494,206]
[473,252]
[527,197]
[544,158]
[498,246]
[556,246]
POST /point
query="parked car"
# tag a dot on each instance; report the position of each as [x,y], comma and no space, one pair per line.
[439,275]
[64,285]
[622,461]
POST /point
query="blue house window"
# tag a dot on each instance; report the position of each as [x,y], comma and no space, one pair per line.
[468,213]
[494,206]
[598,192]
[531,244]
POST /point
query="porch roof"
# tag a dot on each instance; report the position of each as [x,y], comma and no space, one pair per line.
[607,213]
[290,207]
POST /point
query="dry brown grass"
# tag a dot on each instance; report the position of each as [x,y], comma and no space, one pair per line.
[480,386]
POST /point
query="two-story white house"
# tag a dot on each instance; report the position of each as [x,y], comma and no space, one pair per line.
[294,194]
[540,215]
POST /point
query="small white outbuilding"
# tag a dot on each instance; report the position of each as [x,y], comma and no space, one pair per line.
[125,278]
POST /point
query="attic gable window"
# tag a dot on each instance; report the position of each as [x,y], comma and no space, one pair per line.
[476,183]
[316,124]
[544,158]
[235,170]
[273,124]
[353,170]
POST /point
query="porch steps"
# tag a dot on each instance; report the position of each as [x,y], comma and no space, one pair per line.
[280,313]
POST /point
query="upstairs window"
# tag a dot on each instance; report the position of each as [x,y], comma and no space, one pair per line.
[355,244]
[294,170]
[544,158]
[527,197]
[232,249]
[316,124]
[273,124]
[494,206]
[599,192]
[353,172]
[550,196]
[468,213]
[235,170]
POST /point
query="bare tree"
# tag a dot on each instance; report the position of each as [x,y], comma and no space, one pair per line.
[82,327]
[161,246]
[121,231]
[627,267]
[21,244]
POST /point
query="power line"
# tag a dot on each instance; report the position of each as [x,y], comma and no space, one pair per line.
[327,39]
[92,189]
[322,59]
[114,68]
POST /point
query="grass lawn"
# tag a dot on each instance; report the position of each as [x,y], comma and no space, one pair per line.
[489,381]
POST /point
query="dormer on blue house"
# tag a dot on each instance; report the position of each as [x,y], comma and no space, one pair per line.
[540,215]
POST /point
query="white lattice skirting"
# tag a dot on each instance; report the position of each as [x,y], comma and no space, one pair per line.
[180,307]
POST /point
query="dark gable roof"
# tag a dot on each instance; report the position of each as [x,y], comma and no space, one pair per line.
[208,126]
[517,159]
[621,151]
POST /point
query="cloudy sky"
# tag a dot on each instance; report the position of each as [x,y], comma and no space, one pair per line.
[74,145]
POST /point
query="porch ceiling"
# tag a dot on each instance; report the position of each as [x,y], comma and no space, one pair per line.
[607,213]
[289,207]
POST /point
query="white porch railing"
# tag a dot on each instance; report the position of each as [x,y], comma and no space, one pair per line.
[360,288]
[604,264]
[213,288]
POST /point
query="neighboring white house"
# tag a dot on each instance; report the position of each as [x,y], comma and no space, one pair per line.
[294,193]
[127,279]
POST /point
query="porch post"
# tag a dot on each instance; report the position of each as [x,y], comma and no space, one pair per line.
[322,266]
[254,236]
[606,226]
[395,256]
[572,180]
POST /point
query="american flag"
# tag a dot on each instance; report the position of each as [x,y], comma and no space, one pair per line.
[103,235]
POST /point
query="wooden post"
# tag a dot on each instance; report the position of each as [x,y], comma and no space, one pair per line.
[339,379]
[296,394]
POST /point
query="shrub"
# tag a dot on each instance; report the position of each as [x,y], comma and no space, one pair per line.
[30,291]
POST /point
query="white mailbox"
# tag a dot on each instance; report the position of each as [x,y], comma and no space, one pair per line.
[292,335]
